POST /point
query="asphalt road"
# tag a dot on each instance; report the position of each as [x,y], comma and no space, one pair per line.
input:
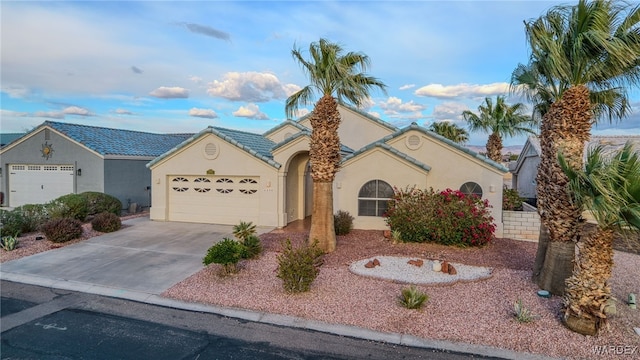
[44,323]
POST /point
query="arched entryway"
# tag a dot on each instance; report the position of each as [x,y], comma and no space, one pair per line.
[298,188]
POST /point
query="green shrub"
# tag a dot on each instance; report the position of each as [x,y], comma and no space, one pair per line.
[299,267]
[511,200]
[74,206]
[106,222]
[342,222]
[98,202]
[252,247]
[447,217]
[243,230]
[11,223]
[9,243]
[412,298]
[33,216]
[62,229]
[226,253]
[521,313]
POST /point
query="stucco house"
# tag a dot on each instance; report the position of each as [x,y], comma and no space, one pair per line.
[224,176]
[526,168]
[57,158]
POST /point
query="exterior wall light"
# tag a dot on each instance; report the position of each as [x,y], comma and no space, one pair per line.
[79,172]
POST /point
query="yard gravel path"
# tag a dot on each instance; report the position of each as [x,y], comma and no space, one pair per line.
[477,312]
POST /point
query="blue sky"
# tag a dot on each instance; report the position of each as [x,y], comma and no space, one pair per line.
[168,66]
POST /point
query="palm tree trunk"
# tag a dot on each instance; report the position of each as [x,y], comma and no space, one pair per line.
[565,127]
[494,148]
[587,289]
[541,253]
[324,156]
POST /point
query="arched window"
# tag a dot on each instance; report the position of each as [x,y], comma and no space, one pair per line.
[373,198]
[470,187]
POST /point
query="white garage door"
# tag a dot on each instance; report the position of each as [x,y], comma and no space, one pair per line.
[213,199]
[38,184]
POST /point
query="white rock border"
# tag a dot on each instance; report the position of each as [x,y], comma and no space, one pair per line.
[397,269]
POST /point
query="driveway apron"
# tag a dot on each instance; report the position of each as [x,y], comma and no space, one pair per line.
[144,256]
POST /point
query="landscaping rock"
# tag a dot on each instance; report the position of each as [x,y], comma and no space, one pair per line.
[387,234]
[376,262]
[444,267]
[452,270]
[369,265]
[418,262]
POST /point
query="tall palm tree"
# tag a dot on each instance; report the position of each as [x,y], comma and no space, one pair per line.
[450,131]
[608,187]
[582,60]
[336,77]
[501,120]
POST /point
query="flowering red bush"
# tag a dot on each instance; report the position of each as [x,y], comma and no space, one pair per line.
[447,217]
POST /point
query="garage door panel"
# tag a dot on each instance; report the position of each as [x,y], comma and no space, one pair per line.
[39,183]
[213,199]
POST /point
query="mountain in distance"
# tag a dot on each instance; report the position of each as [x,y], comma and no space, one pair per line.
[513,149]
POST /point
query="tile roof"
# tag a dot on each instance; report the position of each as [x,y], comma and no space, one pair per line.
[255,144]
[360,112]
[283,124]
[107,141]
[344,149]
[8,138]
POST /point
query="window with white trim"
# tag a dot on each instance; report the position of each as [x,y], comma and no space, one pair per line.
[471,188]
[373,198]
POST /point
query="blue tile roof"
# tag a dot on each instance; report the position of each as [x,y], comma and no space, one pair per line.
[283,124]
[255,144]
[107,141]
[8,138]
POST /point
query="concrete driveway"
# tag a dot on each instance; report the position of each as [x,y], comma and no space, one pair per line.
[145,257]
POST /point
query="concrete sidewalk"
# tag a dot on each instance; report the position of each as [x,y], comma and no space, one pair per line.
[145,258]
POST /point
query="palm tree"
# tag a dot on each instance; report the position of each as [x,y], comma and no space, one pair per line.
[608,187]
[501,120]
[336,77]
[450,131]
[582,60]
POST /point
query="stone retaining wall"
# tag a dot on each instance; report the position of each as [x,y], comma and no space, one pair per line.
[521,225]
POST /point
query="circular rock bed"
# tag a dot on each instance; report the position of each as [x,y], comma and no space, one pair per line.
[416,270]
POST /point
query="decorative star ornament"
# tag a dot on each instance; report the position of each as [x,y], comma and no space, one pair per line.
[47,150]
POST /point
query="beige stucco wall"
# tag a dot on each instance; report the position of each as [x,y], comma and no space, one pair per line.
[375,164]
[282,134]
[231,161]
[356,131]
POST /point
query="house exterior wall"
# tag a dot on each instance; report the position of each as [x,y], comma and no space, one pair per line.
[355,130]
[525,175]
[230,161]
[521,225]
[129,180]
[283,133]
[451,168]
[65,152]
[374,165]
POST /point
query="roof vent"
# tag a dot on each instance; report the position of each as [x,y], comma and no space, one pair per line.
[211,151]
[414,142]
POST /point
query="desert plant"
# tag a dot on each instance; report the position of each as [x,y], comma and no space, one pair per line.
[446,217]
[9,243]
[511,200]
[396,236]
[98,202]
[62,229]
[74,206]
[11,223]
[243,230]
[226,253]
[33,216]
[299,267]
[106,222]
[342,222]
[412,298]
[522,313]
[252,247]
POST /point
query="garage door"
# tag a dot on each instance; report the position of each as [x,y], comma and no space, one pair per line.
[213,199]
[38,184]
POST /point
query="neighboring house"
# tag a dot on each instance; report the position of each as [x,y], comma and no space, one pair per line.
[57,159]
[8,138]
[526,168]
[225,176]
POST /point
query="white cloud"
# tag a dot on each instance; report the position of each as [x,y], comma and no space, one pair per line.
[407,87]
[203,113]
[251,111]
[462,90]
[49,114]
[301,112]
[75,110]
[122,112]
[449,111]
[394,106]
[16,92]
[175,92]
[250,87]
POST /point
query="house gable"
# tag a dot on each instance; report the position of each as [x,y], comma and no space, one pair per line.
[357,129]
[284,130]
